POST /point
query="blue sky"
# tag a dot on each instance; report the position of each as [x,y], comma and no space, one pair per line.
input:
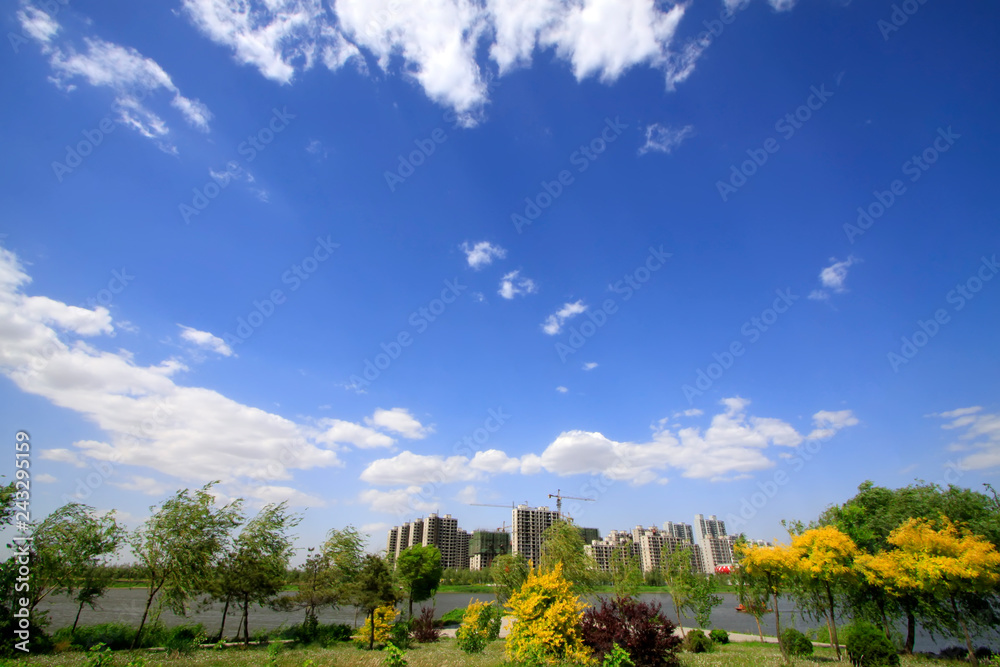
[381,258]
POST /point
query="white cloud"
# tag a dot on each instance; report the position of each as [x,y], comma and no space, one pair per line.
[337,431]
[397,501]
[407,468]
[149,420]
[147,485]
[205,340]
[124,70]
[561,389]
[482,254]
[44,478]
[435,42]
[664,139]
[833,278]
[399,420]
[495,461]
[553,323]
[590,365]
[513,284]
[981,436]
[468,495]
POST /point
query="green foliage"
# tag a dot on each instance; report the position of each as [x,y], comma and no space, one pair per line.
[480,626]
[454,616]
[419,570]
[701,598]
[272,654]
[509,572]
[617,657]
[562,544]
[116,636]
[394,656]
[99,655]
[179,545]
[796,643]
[719,636]
[184,638]
[318,633]
[868,647]
[626,572]
[399,634]
[697,642]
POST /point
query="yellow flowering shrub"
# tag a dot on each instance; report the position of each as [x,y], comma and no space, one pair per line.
[385,616]
[480,625]
[547,621]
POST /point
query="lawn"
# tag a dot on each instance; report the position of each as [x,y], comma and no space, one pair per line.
[442,654]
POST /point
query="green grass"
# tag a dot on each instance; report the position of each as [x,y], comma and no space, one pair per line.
[444,653]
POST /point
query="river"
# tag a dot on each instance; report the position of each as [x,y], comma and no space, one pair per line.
[126,605]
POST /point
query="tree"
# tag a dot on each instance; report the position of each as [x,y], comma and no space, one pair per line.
[677,570]
[753,595]
[825,559]
[626,572]
[253,571]
[771,567]
[178,547]
[8,493]
[374,589]
[548,615]
[562,544]
[419,569]
[701,598]
[509,572]
[946,563]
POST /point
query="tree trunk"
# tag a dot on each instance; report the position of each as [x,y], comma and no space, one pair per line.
[225,611]
[77,619]
[246,622]
[759,631]
[911,631]
[680,621]
[885,619]
[145,613]
[411,605]
[371,640]
[968,640]
[777,628]
[833,623]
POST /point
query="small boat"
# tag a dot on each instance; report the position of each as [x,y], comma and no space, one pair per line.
[740,607]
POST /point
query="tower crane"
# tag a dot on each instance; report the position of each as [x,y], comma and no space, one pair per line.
[559,498]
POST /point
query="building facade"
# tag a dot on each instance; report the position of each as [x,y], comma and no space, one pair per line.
[486,545]
[439,531]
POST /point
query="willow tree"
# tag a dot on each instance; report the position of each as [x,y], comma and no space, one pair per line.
[773,567]
[180,545]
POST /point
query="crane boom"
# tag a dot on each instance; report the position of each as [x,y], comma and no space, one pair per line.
[559,498]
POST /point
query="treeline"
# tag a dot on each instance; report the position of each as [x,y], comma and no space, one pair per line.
[919,555]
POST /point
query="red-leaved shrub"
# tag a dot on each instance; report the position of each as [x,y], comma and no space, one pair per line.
[423,626]
[638,627]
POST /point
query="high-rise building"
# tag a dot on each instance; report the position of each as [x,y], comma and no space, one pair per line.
[603,551]
[439,531]
[681,531]
[528,524]
[654,542]
[716,545]
[485,545]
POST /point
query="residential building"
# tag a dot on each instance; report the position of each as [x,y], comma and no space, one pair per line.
[528,525]
[439,531]
[485,545]
[716,545]
[602,551]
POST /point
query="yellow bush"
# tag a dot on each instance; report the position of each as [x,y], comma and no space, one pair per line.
[547,624]
[384,618]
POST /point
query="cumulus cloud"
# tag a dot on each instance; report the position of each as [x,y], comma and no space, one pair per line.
[148,418]
[590,365]
[396,501]
[399,420]
[833,278]
[664,139]
[553,324]
[514,283]
[562,390]
[205,340]
[435,43]
[980,437]
[130,75]
[482,254]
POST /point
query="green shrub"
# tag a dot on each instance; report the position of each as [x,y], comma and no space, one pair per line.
[617,657]
[394,656]
[697,642]
[719,636]
[184,638]
[796,643]
[99,655]
[116,636]
[868,647]
[399,635]
[317,633]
